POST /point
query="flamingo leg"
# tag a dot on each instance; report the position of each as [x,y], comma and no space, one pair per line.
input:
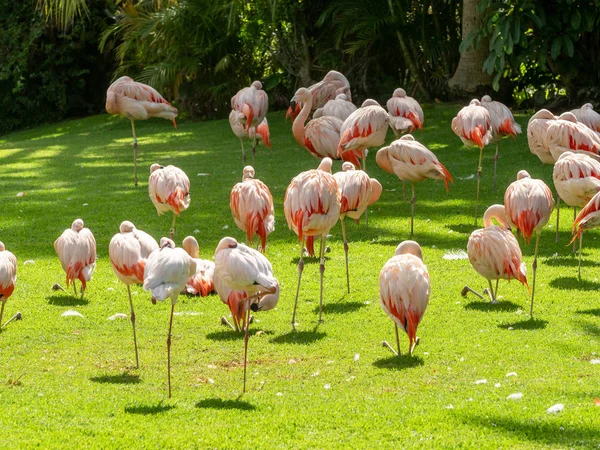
[478,182]
[534,267]
[135,145]
[493,297]
[496,291]
[364,168]
[557,215]
[467,289]
[300,269]
[579,268]
[74,289]
[2,313]
[253,149]
[412,208]
[169,349]
[495,164]
[137,361]
[243,152]
[226,322]
[246,338]
[172,230]
[403,192]
[397,339]
[346,251]
[575,217]
[322,270]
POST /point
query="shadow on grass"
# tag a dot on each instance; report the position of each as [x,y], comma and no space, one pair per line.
[218,403]
[502,305]
[570,283]
[122,378]
[401,362]
[528,324]
[340,307]
[232,335]
[463,228]
[146,410]
[67,300]
[570,261]
[300,337]
[591,312]
[310,259]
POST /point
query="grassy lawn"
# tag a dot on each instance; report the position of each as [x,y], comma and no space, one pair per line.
[69,381]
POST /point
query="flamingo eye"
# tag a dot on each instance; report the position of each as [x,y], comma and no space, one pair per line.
[232,246]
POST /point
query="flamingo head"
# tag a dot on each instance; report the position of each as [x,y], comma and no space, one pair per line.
[190,245]
[225,243]
[474,102]
[348,166]
[126,227]
[486,99]
[497,212]
[166,242]
[334,75]
[248,172]
[523,174]
[410,247]
[369,102]
[399,92]
[112,103]
[2,247]
[77,225]
[257,85]
[588,106]
[268,301]
[302,95]
[155,167]
[325,165]
[341,96]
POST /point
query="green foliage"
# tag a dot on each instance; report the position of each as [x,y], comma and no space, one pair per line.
[64,12]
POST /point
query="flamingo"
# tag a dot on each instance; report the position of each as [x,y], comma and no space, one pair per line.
[567,134]
[494,252]
[312,207]
[169,190]
[202,281]
[357,191]
[165,275]
[137,101]
[8,277]
[528,204]
[412,161]
[473,125]
[339,107]
[588,218]
[128,252]
[251,105]
[404,289]
[333,84]
[405,113]
[587,116]
[251,205]
[76,249]
[261,133]
[320,136]
[242,268]
[537,129]
[235,301]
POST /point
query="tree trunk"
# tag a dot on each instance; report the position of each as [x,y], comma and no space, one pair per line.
[469,73]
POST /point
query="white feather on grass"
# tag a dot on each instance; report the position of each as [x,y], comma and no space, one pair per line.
[455,254]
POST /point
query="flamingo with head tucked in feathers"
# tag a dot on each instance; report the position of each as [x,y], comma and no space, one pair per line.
[528,204]
[8,277]
[588,218]
[587,116]
[251,205]
[260,133]
[251,105]
[405,113]
[76,250]
[137,101]
[312,207]
[169,190]
[473,125]
[567,134]
[242,268]
[128,252]
[404,289]
[202,281]
[333,84]
[537,130]
[339,107]
[357,192]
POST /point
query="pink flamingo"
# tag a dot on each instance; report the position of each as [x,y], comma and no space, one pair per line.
[202,281]
[257,134]
[404,289]
[165,275]
[537,129]
[242,268]
[528,204]
[503,124]
[587,116]
[128,251]
[8,277]
[405,112]
[251,205]
[357,192]
[412,161]
[76,249]
[137,101]
[251,105]
[473,125]
[320,136]
[567,134]
[169,190]
[588,218]
[333,84]
[312,207]
[235,301]
[494,252]
[340,107]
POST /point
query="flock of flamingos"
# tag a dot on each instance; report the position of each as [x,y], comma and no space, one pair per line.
[316,199]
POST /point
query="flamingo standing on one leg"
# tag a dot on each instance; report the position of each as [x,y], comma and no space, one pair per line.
[128,252]
[503,124]
[587,116]
[405,113]
[588,218]
[169,190]
[251,205]
[320,136]
[251,104]
[242,268]
[137,101]
[312,207]
[404,289]
[165,275]
[340,107]
[412,161]
[357,192]
[261,133]
[529,204]
[8,277]
[202,281]
[494,252]
[76,250]
[473,125]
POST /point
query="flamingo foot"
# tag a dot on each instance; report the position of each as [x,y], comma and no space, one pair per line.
[386,344]
[226,322]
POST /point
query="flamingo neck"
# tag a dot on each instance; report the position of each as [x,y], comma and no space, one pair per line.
[298,126]
[494,212]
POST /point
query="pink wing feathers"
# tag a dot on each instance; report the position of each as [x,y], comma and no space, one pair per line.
[401,106]
[8,273]
[502,120]
[322,136]
[576,178]
[473,125]
[169,189]
[128,252]
[537,130]
[587,116]
[566,134]
[76,249]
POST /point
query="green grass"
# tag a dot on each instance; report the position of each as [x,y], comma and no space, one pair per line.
[68,382]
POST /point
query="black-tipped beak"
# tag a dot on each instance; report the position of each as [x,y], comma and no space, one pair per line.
[254,307]
[293,104]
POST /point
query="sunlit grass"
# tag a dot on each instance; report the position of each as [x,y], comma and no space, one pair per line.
[70,382]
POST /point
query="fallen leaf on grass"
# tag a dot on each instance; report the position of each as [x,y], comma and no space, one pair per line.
[555,408]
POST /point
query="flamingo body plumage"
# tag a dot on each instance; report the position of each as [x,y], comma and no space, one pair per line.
[537,130]
[405,113]
[587,116]
[333,84]
[567,134]
[339,107]
[76,250]
[202,281]
[8,276]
